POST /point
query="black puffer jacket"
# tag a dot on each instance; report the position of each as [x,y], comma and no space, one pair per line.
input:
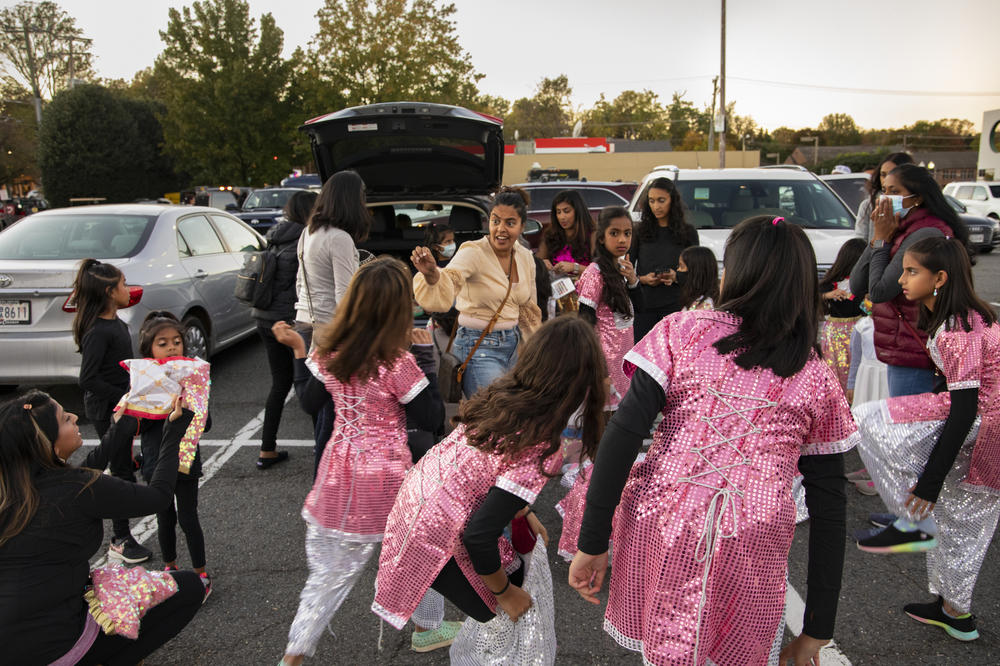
[284,237]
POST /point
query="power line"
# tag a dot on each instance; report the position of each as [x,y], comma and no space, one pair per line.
[870,91]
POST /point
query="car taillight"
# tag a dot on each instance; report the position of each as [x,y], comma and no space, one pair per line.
[134,295]
[69,305]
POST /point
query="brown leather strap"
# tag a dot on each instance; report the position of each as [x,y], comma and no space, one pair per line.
[493,321]
[451,338]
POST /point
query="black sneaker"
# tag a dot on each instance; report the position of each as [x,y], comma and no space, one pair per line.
[128,550]
[963,628]
[882,519]
[267,463]
[891,540]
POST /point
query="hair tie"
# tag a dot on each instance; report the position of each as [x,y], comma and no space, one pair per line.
[776,220]
[27,406]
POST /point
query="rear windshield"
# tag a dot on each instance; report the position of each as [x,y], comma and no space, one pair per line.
[995,189]
[76,236]
[852,190]
[722,204]
[272,199]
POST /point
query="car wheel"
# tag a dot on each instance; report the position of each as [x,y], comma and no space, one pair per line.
[195,337]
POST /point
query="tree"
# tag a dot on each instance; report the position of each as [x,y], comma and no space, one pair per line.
[225,89]
[18,134]
[42,49]
[369,51]
[632,115]
[685,118]
[94,143]
[839,129]
[547,113]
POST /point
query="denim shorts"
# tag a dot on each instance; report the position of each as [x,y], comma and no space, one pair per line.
[495,356]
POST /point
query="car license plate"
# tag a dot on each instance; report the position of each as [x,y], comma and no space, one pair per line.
[15,313]
[976,238]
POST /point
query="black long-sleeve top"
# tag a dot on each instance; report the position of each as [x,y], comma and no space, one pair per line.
[961,415]
[823,482]
[103,348]
[45,568]
[658,255]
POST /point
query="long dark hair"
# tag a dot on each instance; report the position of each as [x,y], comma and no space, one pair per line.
[156,321]
[875,182]
[341,204]
[703,275]
[614,292]
[555,235]
[847,256]
[919,181]
[28,429]
[957,296]
[299,206]
[371,327]
[92,289]
[530,405]
[771,285]
[683,232]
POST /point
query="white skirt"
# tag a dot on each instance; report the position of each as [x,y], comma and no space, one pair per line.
[871,383]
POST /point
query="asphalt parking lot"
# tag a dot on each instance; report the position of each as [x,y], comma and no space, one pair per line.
[254,538]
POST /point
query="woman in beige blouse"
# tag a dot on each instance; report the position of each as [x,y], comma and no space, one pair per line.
[475,281]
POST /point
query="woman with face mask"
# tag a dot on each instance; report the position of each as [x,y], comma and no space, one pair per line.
[863,227]
[910,209]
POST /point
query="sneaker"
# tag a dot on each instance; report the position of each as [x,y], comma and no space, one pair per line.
[963,627]
[268,463]
[882,519]
[859,475]
[866,487]
[170,567]
[206,580]
[891,540]
[443,636]
[863,533]
[128,550]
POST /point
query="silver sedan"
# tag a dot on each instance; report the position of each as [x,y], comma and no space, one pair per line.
[178,258]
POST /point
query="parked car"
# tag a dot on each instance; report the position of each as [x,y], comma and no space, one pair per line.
[178,258]
[852,188]
[421,163]
[596,194]
[308,181]
[262,207]
[981,197]
[984,232]
[18,207]
[716,200]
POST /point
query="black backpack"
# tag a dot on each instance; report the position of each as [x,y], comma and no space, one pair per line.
[255,281]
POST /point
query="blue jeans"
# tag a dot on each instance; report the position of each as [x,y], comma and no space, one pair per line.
[909,381]
[495,356]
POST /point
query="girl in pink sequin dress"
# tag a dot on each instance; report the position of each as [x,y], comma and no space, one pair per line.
[363,361]
[703,525]
[604,302]
[940,452]
[445,529]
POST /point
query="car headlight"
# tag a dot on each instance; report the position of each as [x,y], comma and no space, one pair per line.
[279,218]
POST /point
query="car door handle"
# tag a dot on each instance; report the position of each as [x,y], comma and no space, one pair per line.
[200,274]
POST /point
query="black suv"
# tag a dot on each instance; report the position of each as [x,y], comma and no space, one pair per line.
[262,207]
[421,163]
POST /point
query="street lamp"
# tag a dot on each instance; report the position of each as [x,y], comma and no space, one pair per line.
[815,140]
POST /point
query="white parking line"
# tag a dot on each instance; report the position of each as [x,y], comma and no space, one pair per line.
[794,608]
[244,443]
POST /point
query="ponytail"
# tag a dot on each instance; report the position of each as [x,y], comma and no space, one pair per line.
[91,295]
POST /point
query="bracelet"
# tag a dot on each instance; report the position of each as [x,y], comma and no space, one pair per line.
[497,594]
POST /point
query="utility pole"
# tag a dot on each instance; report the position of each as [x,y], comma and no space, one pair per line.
[722,93]
[71,83]
[34,74]
[711,117]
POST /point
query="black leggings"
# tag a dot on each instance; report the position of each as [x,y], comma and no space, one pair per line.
[160,624]
[186,514]
[121,464]
[279,360]
[456,588]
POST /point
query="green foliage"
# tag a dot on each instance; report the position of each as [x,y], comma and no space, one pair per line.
[94,143]
[858,161]
[39,58]
[838,129]
[225,89]
[632,115]
[547,113]
[18,134]
[686,122]
[369,51]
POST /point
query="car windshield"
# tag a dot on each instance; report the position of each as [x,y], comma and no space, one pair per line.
[995,189]
[722,204]
[76,236]
[267,199]
[852,190]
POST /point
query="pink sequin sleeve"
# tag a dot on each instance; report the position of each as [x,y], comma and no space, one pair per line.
[959,353]
[406,380]
[832,429]
[525,479]
[589,286]
[653,354]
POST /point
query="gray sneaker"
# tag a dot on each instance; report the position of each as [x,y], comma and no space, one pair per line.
[128,550]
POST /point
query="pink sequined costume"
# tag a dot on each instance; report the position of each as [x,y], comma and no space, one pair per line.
[359,474]
[898,435]
[704,526]
[436,501]
[570,509]
[613,330]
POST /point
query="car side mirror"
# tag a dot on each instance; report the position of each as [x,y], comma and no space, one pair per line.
[531,227]
[230,207]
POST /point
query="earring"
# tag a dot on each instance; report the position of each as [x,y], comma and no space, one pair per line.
[935,291]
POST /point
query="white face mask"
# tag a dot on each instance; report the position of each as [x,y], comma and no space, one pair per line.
[448,250]
[897,203]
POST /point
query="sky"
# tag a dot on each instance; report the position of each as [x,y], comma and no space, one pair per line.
[788,62]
